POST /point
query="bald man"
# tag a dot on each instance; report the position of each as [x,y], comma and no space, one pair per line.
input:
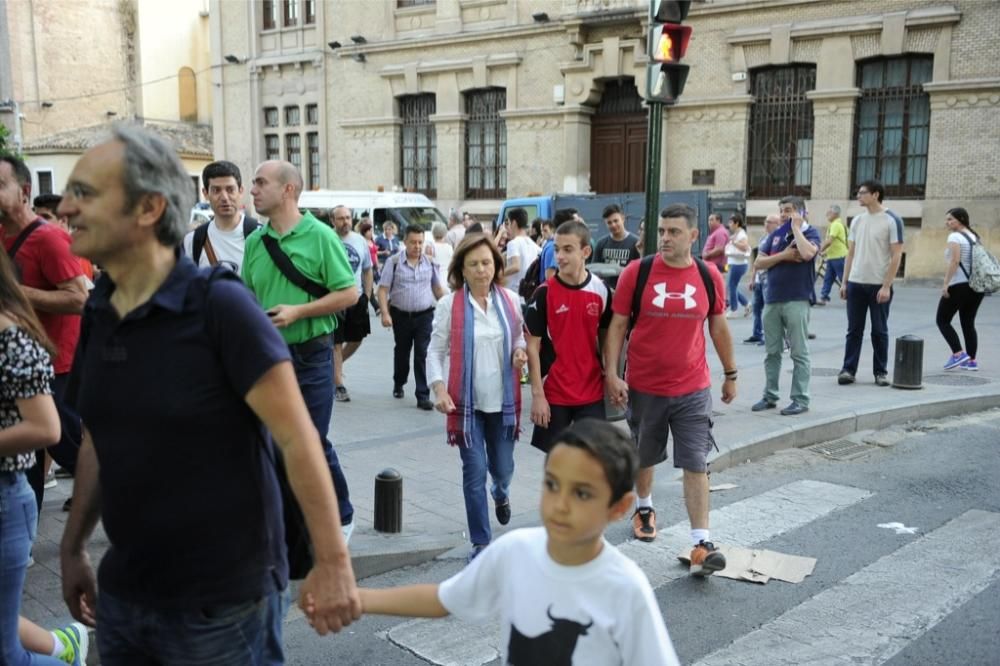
[303,311]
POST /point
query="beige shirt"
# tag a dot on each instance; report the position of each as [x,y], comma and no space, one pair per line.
[873,235]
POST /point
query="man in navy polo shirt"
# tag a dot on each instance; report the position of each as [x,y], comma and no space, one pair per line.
[787,254]
[177,374]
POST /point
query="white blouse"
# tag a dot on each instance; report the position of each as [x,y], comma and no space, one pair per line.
[487,359]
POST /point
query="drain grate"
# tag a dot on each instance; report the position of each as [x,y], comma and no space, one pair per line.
[840,449]
[956,379]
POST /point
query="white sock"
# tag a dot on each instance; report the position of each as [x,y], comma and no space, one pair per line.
[644,502]
[697,536]
[58,649]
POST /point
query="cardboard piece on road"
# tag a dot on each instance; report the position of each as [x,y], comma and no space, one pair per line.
[759,566]
[722,486]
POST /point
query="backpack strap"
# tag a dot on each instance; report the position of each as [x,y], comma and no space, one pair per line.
[250,225]
[198,242]
[23,236]
[288,269]
[646,265]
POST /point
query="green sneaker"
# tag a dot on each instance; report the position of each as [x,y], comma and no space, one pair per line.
[76,641]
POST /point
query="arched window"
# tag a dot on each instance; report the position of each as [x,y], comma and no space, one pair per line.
[187,95]
[892,124]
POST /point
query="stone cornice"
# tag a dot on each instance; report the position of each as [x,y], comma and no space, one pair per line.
[728,100]
[924,16]
[430,41]
[438,66]
[539,112]
[833,94]
[313,57]
[370,122]
[964,85]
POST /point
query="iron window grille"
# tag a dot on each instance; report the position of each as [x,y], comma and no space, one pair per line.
[781,131]
[270,116]
[312,114]
[290,12]
[892,124]
[309,12]
[293,150]
[485,144]
[312,145]
[620,97]
[418,144]
[292,116]
[401,4]
[272,147]
[269,20]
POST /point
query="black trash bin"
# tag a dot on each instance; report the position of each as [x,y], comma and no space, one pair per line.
[389,501]
[605,271]
[908,370]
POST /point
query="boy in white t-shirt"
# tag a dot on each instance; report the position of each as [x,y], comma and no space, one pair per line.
[521,250]
[563,593]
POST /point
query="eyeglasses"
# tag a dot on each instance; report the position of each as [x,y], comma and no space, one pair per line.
[860,192]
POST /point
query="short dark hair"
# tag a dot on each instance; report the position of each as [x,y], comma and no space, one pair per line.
[547,223]
[564,215]
[681,210]
[50,201]
[793,199]
[610,210]
[220,169]
[875,187]
[962,216]
[518,216]
[412,229]
[475,228]
[612,448]
[21,171]
[575,228]
[737,219]
[470,241]
[364,227]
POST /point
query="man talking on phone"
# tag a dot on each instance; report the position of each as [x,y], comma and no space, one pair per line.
[787,254]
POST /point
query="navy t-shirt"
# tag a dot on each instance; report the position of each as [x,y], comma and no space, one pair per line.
[788,280]
[189,497]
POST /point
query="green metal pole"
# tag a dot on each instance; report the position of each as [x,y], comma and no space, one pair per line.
[654,137]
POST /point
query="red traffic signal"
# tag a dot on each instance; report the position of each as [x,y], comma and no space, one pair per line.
[668,42]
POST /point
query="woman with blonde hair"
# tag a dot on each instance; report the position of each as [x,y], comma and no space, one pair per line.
[474,363]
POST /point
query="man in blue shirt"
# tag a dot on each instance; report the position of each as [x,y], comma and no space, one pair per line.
[176,376]
[787,254]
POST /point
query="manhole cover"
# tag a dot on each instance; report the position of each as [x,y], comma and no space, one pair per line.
[840,449]
[956,380]
[821,372]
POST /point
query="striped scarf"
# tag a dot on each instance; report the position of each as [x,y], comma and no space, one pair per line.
[460,368]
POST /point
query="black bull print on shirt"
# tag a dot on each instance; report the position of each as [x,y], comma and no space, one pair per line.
[553,648]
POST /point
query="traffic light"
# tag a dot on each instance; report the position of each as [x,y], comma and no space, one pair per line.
[668,41]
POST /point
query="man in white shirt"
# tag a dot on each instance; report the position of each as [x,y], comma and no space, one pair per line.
[521,250]
[456,228]
[354,325]
[222,240]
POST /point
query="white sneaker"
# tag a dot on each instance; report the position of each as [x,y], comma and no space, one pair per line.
[733,315]
[348,530]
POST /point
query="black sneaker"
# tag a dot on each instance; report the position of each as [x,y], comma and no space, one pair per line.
[341,395]
[644,524]
[503,512]
[425,405]
[397,392]
[706,559]
[762,404]
[753,340]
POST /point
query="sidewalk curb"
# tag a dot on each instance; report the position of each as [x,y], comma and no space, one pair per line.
[825,429]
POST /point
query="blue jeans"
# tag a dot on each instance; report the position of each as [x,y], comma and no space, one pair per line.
[834,268]
[18,527]
[736,273]
[758,310]
[490,451]
[861,300]
[241,634]
[314,372]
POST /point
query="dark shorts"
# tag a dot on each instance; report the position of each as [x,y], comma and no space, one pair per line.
[560,418]
[652,418]
[355,325]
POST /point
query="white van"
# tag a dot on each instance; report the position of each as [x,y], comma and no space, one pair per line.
[403,208]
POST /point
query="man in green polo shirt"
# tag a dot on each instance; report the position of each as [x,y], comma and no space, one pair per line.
[835,249]
[306,322]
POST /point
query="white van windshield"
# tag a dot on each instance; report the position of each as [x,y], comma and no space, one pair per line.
[423,217]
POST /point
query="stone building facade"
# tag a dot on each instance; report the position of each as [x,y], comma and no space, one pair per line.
[474,101]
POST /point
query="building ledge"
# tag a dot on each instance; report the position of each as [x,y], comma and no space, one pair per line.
[924,16]
[188,139]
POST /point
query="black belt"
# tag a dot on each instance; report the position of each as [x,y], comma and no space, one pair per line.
[394,311]
[314,345]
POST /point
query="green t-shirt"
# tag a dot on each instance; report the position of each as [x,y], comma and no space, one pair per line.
[837,233]
[318,254]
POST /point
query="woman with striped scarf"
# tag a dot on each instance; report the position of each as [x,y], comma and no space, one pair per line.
[474,362]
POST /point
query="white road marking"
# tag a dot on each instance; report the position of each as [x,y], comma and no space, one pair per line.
[873,614]
[744,523]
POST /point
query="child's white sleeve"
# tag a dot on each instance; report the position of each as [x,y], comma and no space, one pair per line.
[646,641]
[473,593]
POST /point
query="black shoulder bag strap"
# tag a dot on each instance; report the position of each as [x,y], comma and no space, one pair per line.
[18,242]
[288,269]
[971,248]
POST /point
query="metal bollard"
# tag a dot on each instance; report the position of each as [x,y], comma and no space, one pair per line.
[389,501]
[908,370]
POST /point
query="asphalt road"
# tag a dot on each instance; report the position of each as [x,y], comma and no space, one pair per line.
[929,597]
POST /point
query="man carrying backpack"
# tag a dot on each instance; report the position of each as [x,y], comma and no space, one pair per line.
[221,241]
[668,387]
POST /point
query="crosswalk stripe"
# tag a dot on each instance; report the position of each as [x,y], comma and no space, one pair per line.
[874,613]
[743,523]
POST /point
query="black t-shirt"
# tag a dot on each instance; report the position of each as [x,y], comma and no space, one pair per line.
[189,496]
[610,251]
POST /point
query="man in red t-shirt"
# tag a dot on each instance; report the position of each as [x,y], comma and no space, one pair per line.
[668,387]
[563,319]
[54,284]
[715,245]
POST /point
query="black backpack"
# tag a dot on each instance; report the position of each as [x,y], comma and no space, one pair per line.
[201,235]
[646,265]
[531,279]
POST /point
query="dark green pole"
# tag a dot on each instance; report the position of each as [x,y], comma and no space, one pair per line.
[654,138]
